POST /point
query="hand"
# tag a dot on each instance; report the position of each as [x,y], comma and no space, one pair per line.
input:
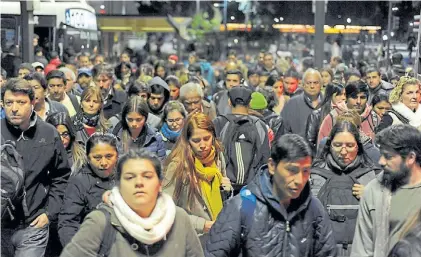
[40,221]
[358,190]
[208,225]
[226,184]
[106,198]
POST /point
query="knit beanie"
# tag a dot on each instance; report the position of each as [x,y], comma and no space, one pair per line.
[258,101]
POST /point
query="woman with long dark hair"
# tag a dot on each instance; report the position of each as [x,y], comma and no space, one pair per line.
[333,104]
[338,179]
[75,151]
[133,132]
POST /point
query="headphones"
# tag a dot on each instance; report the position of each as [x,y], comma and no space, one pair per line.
[235,72]
[56,74]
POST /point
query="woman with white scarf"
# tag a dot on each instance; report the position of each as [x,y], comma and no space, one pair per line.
[406,108]
[145,221]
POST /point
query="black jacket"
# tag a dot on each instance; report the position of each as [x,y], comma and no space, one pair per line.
[313,127]
[10,63]
[114,103]
[310,233]
[83,194]
[45,163]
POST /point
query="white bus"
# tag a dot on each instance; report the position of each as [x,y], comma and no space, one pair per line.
[58,23]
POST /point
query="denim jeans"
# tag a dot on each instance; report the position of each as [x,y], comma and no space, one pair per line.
[24,242]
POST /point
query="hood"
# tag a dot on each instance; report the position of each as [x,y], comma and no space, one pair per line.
[357,167]
[55,61]
[261,187]
[159,81]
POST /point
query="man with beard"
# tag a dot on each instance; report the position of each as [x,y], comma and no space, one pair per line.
[394,197]
[160,95]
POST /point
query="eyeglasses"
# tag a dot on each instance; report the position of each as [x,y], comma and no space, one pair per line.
[177,120]
[65,134]
[349,147]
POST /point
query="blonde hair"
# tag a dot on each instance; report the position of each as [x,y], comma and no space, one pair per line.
[396,94]
[89,92]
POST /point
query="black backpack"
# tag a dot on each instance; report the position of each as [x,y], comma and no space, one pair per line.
[341,205]
[241,140]
[12,182]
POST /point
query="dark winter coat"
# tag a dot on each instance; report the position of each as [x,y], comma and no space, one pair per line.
[114,103]
[82,195]
[383,88]
[45,163]
[302,231]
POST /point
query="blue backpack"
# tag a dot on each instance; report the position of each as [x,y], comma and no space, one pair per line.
[248,205]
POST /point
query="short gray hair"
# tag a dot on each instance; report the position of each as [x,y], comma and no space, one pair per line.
[310,71]
[191,87]
[67,70]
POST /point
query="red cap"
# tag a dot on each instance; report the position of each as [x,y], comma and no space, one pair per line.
[173,57]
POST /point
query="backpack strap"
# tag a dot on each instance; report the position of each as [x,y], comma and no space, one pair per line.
[75,102]
[108,236]
[248,205]
[117,128]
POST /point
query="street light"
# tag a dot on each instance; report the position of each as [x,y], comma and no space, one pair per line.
[395,9]
[385,37]
[232,18]
[281,18]
[276,20]
[348,20]
[102,7]
[236,41]
[392,34]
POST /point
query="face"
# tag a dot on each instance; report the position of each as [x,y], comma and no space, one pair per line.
[261,58]
[39,91]
[64,135]
[344,148]
[278,87]
[99,60]
[104,83]
[139,184]
[395,170]
[39,70]
[57,89]
[410,96]
[254,80]
[192,59]
[35,41]
[175,120]
[125,70]
[160,71]
[84,80]
[232,80]
[333,62]
[125,58]
[69,82]
[135,122]
[358,103]
[326,78]
[23,72]
[143,95]
[2,81]
[291,84]
[91,105]
[174,92]
[373,79]
[232,58]
[201,142]
[312,84]
[156,101]
[268,61]
[103,158]
[290,178]
[381,108]
[339,98]
[18,108]
[192,102]
[84,62]
[262,81]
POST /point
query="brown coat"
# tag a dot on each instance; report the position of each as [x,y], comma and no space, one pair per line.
[180,241]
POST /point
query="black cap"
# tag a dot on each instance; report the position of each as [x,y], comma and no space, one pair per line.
[240,95]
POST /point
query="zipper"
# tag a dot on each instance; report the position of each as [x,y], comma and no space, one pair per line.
[287,230]
[147,250]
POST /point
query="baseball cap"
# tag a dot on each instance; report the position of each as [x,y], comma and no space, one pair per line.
[37,64]
[240,95]
[85,71]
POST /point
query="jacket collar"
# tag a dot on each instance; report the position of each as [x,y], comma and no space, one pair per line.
[308,101]
[27,134]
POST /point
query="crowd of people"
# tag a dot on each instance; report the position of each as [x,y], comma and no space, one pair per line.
[168,158]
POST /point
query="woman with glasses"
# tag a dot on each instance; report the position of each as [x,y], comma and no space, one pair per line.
[75,151]
[141,221]
[195,172]
[172,123]
[85,189]
[406,108]
[133,132]
[90,118]
[338,178]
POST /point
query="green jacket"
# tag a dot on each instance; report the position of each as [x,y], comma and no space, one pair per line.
[182,239]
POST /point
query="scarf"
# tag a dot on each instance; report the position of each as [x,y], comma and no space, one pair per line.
[366,112]
[145,230]
[413,117]
[169,134]
[210,182]
[90,120]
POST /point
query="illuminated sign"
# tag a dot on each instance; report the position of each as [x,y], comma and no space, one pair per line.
[81,19]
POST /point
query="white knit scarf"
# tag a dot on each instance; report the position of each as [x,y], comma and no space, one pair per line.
[145,230]
[413,117]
